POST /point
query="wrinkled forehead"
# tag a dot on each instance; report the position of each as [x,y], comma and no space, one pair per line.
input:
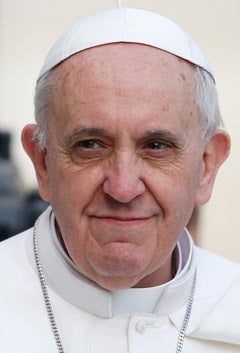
[137,77]
[127,65]
[125,25]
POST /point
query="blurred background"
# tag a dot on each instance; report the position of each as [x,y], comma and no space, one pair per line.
[27,30]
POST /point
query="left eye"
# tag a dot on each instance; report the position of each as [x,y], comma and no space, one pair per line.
[156,145]
[88,144]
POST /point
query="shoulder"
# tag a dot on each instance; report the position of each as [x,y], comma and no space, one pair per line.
[217,304]
[15,260]
[212,264]
[19,247]
[216,274]
[13,247]
[18,279]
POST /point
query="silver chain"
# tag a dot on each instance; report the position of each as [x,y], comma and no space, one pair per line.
[51,313]
[187,315]
[45,291]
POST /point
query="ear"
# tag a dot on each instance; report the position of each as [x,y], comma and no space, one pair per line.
[216,151]
[38,157]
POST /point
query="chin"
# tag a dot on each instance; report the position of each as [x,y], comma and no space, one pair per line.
[117,276]
[116,283]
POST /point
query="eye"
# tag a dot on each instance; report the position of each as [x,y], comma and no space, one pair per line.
[89,149]
[88,144]
[156,145]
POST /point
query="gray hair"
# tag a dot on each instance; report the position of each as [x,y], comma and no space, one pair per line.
[206,98]
[207,101]
[42,99]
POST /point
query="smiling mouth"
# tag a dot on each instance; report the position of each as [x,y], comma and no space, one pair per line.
[122,221]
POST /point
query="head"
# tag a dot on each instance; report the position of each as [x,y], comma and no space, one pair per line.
[126,153]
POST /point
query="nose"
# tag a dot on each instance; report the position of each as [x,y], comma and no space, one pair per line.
[123,180]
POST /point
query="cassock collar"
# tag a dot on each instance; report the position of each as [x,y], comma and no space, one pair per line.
[67,281]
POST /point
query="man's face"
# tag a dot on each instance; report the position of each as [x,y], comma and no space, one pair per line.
[123,160]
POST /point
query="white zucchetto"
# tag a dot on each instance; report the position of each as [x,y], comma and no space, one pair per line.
[125,25]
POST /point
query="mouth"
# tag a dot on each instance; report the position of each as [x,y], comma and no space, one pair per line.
[120,228]
[122,221]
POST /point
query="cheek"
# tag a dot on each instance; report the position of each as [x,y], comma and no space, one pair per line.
[174,189]
[70,184]
[173,185]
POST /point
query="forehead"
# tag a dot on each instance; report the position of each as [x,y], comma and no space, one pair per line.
[122,58]
[123,79]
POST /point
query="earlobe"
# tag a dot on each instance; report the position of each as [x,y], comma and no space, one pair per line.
[38,158]
[216,151]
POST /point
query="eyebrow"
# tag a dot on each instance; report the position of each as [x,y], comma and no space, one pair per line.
[163,134]
[86,131]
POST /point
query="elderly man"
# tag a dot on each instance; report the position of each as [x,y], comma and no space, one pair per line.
[128,141]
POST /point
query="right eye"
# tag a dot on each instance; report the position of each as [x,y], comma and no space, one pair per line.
[89,149]
[88,144]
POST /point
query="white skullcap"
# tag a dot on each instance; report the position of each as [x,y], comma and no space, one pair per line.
[125,25]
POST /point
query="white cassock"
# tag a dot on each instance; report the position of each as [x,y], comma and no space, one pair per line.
[93,320]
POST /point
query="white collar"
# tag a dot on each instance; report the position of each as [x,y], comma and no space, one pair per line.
[88,296]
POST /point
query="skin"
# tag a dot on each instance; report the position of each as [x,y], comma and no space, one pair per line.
[125,163]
